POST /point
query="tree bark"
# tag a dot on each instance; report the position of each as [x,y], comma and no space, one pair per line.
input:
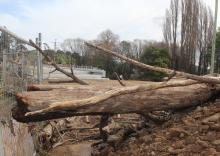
[136,99]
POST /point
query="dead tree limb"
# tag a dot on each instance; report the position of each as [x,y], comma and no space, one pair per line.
[52,71]
[119,80]
[56,81]
[71,75]
[203,79]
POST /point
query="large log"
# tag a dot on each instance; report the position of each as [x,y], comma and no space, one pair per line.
[140,99]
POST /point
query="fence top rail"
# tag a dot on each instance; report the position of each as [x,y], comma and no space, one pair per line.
[5,30]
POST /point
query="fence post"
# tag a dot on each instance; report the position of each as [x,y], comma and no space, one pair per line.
[41,57]
[4,66]
[38,63]
[4,62]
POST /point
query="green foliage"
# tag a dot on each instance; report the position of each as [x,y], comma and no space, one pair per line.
[156,57]
[65,58]
[106,63]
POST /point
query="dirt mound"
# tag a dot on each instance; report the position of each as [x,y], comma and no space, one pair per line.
[194,131]
[186,133]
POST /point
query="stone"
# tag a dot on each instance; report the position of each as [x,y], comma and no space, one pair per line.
[178,144]
[203,128]
[212,151]
[216,142]
[177,132]
[202,143]
[147,139]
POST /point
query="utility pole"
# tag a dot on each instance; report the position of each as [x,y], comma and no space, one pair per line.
[214,39]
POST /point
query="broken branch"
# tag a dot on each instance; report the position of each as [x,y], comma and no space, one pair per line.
[71,75]
[203,79]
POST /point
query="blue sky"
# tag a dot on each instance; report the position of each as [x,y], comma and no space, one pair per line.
[61,19]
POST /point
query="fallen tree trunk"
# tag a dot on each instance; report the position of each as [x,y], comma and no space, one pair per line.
[71,75]
[204,79]
[60,81]
[136,99]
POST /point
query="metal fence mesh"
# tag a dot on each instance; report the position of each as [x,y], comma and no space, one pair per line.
[17,66]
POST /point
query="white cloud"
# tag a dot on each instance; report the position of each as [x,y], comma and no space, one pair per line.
[60,19]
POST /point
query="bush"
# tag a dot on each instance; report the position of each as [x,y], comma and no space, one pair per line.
[156,57]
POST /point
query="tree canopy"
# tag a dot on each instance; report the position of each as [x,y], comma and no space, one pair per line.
[157,57]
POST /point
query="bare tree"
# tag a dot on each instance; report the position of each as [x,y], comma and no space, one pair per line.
[170,31]
[187,34]
[74,46]
[204,37]
[108,39]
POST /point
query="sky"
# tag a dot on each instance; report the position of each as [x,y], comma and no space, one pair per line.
[62,19]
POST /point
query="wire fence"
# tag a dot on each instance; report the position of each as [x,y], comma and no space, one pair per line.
[18,65]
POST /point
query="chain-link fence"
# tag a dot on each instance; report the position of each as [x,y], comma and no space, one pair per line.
[18,65]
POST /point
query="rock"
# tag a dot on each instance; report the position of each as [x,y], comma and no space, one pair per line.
[217,148]
[202,143]
[178,144]
[203,128]
[147,139]
[72,150]
[194,148]
[158,139]
[182,135]
[174,151]
[198,109]
[212,151]
[216,142]
[205,111]
[153,153]
[212,118]
[177,132]
[210,136]
[215,127]
[189,121]
[190,140]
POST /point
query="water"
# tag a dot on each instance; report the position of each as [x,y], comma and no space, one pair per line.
[15,139]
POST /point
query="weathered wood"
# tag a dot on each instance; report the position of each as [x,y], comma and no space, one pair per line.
[39,88]
[204,79]
[60,81]
[119,80]
[71,75]
[141,99]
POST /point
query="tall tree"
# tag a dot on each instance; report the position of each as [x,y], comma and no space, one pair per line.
[108,40]
[187,33]
[204,38]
